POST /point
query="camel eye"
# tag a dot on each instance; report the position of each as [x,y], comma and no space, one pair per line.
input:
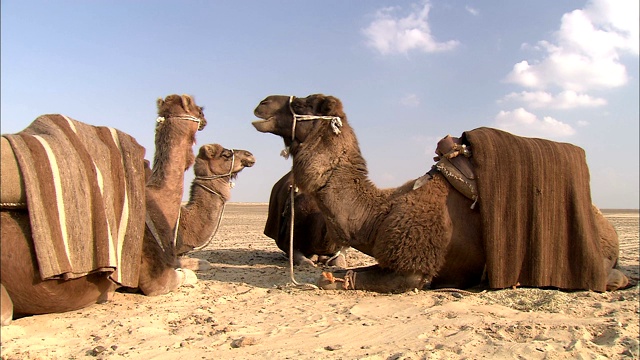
[264,102]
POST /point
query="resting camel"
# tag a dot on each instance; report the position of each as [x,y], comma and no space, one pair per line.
[313,240]
[22,284]
[432,235]
[215,167]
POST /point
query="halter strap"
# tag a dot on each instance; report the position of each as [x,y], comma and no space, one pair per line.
[336,122]
[161,119]
[229,175]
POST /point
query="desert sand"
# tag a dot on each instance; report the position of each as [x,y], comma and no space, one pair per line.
[246,307]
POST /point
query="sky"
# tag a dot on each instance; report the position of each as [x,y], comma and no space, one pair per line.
[407,72]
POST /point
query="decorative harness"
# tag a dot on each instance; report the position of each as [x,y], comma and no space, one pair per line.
[336,124]
[148,220]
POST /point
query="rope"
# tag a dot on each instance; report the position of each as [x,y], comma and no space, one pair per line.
[215,231]
[224,203]
[336,124]
[306,286]
[161,119]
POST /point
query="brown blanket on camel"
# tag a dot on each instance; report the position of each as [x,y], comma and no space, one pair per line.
[85,192]
[535,202]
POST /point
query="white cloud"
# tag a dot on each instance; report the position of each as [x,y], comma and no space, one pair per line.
[472,11]
[410,100]
[524,123]
[564,100]
[587,49]
[390,34]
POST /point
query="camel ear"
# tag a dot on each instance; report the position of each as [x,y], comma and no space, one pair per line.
[331,106]
[209,151]
[187,101]
[160,103]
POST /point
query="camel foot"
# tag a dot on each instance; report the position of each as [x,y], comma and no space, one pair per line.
[189,278]
[300,260]
[616,280]
[6,315]
[107,295]
[338,261]
[371,278]
[193,264]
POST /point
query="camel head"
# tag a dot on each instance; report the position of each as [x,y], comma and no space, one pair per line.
[182,107]
[214,161]
[283,115]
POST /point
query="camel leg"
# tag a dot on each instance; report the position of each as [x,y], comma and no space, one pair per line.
[371,278]
[7,307]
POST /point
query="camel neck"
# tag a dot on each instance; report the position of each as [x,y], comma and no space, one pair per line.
[201,216]
[173,155]
[335,173]
[203,192]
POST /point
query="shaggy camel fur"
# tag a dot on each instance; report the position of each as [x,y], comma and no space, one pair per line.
[428,235]
[313,240]
[214,169]
[21,279]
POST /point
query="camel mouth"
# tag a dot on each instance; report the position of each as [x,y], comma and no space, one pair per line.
[264,125]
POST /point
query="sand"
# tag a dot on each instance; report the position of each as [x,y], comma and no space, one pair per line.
[245,307]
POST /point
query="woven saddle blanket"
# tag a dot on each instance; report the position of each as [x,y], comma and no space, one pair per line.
[85,192]
[535,203]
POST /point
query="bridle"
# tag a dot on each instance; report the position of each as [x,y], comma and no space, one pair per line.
[336,124]
[161,119]
[210,190]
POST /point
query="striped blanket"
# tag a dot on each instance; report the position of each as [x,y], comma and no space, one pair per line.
[535,202]
[85,190]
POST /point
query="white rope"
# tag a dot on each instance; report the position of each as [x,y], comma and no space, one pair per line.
[215,231]
[224,203]
[161,119]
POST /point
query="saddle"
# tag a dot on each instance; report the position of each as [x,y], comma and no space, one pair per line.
[453,162]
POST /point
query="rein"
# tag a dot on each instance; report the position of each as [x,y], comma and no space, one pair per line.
[224,202]
[336,124]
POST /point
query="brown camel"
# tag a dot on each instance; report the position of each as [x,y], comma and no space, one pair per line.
[429,235]
[214,169]
[313,240]
[22,283]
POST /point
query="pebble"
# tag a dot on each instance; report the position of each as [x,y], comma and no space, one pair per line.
[333,347]
[243,341]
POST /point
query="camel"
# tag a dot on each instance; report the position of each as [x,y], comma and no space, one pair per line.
[429,237]
[179,119]
[215,167]
[313,240]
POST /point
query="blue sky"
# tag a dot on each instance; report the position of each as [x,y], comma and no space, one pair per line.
[407,72]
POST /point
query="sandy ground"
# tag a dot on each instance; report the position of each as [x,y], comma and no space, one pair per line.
[246,308]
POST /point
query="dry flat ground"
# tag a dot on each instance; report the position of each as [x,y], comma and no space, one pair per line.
[246,308]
